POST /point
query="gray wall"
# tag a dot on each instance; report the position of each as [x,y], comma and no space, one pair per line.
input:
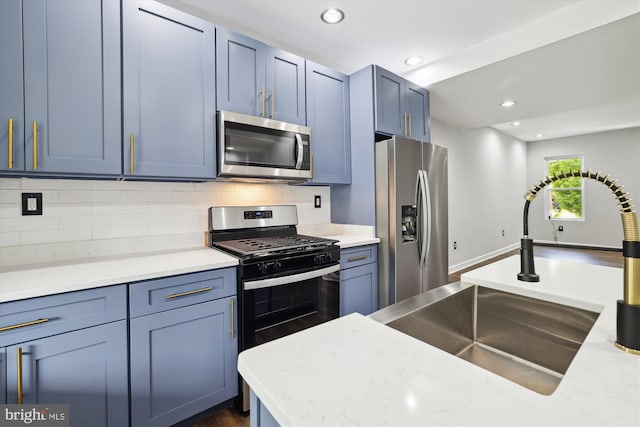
[487,179]
[616,153]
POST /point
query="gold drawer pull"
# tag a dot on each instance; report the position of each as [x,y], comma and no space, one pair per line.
[183,294]
[357,258]
[35,145]
[233,327]
[131,153]
[19,357]
[11,143]
[22,325]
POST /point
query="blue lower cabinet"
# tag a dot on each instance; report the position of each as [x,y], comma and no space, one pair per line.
[86,369]
[183,361]
[359,280]
[260,415]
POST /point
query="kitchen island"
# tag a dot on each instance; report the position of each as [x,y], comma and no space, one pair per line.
[356,371]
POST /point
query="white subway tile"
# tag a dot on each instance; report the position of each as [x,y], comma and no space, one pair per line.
[119,231]
[10,211]
[66,210]
[11,238]
[52,236]
[120,186]
[72,196]
[9,183]
[29,222]
[119,209]
[10,197]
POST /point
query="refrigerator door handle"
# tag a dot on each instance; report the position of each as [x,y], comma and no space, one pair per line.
[418,204]
[426,226]
[423,223]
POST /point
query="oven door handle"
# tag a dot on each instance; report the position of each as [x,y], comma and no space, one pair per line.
[284,280]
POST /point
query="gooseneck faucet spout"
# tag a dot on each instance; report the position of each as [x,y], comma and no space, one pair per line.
[628,315]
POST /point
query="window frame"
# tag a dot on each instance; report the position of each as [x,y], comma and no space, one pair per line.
[547,190]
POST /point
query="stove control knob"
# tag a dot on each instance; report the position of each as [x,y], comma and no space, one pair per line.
[262,267]
[277,266]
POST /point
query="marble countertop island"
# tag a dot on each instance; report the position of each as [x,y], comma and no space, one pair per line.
[354,371]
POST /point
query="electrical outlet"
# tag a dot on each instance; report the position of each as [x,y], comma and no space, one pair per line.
[455,245]
[560,228]
[317,201]
[31,203]
[502,233]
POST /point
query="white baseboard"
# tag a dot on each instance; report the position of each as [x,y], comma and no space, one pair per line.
[473,261]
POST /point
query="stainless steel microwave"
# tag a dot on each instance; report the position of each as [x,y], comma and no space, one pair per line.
[261,148]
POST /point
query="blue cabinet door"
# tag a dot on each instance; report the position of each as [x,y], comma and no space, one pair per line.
[72,87]
[285,86]
[241,73]
[256,79]
[169,92]
[86,369]
[329,119]
[11,87]
[359,289]
[183,361]
[3,375]
[390,113]
[417,102]
[401,107]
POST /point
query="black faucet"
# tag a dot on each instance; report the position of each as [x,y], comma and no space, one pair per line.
[628,314]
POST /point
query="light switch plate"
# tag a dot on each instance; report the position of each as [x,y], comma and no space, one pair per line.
[317,201]
[31,203]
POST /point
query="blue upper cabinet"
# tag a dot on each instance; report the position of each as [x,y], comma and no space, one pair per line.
[169,92]
[256,79]
[69,88]
[328,116]
[11,87]
[401,107]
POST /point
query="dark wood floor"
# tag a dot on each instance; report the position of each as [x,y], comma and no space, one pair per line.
[230,417]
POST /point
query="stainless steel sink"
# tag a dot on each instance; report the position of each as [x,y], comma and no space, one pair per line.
[526,340]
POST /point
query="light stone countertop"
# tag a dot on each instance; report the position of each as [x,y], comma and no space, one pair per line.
[355,371]
[74,275]
[41,280]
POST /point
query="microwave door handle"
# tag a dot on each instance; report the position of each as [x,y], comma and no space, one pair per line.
[292,278]
[299,151]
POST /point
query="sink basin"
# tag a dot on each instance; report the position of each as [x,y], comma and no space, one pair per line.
[526,340]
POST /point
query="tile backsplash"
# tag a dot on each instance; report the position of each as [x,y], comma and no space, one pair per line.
[90,218]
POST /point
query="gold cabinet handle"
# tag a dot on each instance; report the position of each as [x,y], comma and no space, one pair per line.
[273,105]
[131,153]
[262,101]
[19,358]
[356,258]
[410,133]
[184,294]
[11,143]
[22,325]
[233,332]
[35,145]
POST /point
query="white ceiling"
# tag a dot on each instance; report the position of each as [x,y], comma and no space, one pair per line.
[572,65]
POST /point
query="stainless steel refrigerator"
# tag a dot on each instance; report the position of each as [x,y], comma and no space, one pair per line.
[411,218]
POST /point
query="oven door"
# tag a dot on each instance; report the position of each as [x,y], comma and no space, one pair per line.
[279,306]
[262,148]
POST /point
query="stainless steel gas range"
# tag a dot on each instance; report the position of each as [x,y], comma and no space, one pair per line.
[287,282]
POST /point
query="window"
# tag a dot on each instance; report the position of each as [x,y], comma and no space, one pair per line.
[564,196]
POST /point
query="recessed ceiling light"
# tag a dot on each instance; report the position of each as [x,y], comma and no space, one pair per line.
[515,123]
[539,135]
[332,16]
[413,60]
[508,104]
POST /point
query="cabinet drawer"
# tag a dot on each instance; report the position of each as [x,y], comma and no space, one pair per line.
[45,316]
[360,255]
[157,295]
